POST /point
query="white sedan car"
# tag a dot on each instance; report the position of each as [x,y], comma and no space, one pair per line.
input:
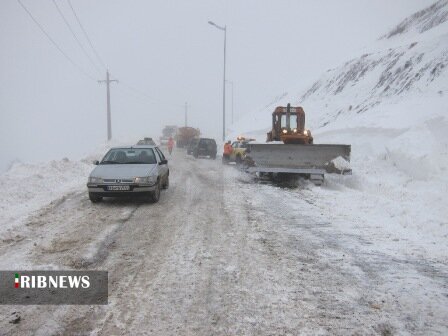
[138,170]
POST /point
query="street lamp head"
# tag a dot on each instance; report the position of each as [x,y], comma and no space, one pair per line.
[219,27]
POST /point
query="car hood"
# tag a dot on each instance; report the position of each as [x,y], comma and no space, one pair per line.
[123,171]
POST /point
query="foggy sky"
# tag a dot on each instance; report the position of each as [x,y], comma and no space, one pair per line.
[165,54]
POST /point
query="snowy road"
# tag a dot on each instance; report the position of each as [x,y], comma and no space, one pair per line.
[220,255]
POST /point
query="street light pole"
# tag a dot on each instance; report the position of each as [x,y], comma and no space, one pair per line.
[231,84]
[223,82]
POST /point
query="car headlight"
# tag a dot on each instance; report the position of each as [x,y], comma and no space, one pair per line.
[305,132]
[294,130]
[145,180]
[284,131]
[93,179]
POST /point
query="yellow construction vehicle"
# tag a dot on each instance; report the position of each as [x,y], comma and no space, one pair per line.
[288,125]
[239,149]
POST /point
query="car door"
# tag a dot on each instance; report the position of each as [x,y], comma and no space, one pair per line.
[163,167]
[202,147]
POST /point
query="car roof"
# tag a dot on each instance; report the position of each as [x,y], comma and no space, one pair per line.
[135,146]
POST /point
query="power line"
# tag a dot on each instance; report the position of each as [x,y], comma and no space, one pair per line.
[53,42]
[123,84]
[86,35]
[141,93]
[75,37]
[127,86]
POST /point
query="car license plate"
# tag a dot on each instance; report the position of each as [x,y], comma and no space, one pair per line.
[118,188]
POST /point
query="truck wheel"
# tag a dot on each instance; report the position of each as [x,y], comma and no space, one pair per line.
[94,198]
[213,156]
[196,154]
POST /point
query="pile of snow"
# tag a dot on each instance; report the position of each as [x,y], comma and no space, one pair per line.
[391,104]
[341,164]
[29,187]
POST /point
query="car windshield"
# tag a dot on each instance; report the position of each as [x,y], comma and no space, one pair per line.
[207,142]
[130,156]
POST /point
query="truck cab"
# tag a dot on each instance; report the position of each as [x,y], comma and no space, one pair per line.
[288,126]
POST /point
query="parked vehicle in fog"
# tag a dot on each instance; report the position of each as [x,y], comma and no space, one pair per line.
[192,145]
[204,147]
[146,141]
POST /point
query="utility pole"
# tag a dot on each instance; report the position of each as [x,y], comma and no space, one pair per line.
[109,121]
[186,114]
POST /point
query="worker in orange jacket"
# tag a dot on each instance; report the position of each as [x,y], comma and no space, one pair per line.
[170,145]
[227,152]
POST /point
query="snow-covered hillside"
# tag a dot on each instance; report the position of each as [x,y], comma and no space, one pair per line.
[409,62]
[391,104]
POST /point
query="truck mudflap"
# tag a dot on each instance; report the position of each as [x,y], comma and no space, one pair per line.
[297,159]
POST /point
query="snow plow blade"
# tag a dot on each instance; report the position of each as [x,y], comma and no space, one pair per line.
[298,159]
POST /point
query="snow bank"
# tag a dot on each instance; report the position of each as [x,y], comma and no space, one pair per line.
[28,187]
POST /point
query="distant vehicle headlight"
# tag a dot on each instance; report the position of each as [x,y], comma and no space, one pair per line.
[93,179]
[294,130]
[284,131]
[305,132]
[145,180]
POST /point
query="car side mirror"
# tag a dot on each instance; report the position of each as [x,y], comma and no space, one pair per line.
[163,162]
[96,162]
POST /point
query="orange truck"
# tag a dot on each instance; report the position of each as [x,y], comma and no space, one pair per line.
[185,135]
[167,132]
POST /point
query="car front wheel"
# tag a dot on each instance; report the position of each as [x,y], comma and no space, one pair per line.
[155,195]
[167,183]
[94,198]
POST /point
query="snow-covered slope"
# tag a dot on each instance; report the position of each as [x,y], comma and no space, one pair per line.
[411,62]
[391,104]
[422,21]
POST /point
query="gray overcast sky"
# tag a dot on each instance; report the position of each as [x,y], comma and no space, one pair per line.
[166,49]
